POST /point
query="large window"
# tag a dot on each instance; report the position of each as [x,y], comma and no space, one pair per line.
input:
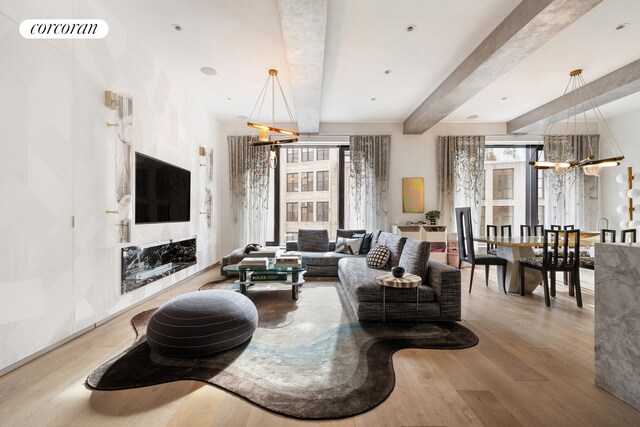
[322,215]
[292,155]
[292,212]
[503,183]
[292,182]
[322,179]
[306,212]
[323,153]
[503,215]
[306,154]
[306,179]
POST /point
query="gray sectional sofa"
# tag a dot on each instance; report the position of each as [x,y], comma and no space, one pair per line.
[438,296]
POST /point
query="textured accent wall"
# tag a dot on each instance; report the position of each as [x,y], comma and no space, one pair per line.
[58,161]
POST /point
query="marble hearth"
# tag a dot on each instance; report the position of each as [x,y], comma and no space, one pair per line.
[143,264]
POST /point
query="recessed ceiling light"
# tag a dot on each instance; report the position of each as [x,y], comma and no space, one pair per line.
[373,99]
[208,71]
[387,71]
[621,26]
[411,27]
[241,117]
[473,116]
[504,98]
[176,27]
[228,99]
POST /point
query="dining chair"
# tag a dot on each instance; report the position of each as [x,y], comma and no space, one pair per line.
[467,252]
[505,231]
[588,262]
[624,233]
[554,259]
[525,230]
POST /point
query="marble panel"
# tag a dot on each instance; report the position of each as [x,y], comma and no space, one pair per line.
[617,320]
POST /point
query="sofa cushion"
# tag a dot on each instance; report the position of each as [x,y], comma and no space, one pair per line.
[348,233]
[378,257]
[383,236]
[313,240]
[348,246]
[360,282]
[365,247]
[415,258]
[395,245]
[374,238]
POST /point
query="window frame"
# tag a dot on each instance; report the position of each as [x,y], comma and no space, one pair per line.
[293,211]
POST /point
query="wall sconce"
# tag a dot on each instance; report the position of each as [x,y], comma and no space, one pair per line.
[630,193]
[202,152]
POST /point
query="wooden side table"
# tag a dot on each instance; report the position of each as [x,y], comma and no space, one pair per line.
[387,280]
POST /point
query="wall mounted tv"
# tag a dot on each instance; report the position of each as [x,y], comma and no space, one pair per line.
[163,191]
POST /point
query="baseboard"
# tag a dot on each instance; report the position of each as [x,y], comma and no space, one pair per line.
[91,327]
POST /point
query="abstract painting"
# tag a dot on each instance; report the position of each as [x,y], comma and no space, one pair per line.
[413,195]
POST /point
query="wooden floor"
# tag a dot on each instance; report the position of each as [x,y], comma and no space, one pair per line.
[533,366]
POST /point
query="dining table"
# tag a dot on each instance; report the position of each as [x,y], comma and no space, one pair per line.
[514,248]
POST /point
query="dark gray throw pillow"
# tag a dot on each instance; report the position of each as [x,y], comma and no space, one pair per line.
[365,247]
[378,257]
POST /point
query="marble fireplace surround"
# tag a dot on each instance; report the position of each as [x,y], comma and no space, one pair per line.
[143,264]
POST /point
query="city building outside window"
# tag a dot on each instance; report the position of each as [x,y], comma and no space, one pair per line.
[291,237]
[306,154]
[292,155]
[292,182]
[306,179]
[503,184]
[292,212]
[306,212]
[322,214]
[322,154]
[503,215]
[322,180]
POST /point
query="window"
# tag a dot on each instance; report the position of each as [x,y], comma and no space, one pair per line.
[540,180]
[502,184]
[292,212]
[322,179]
[502,215]
[292,155]
[307,155]
[306,212]
[307,181]
[291,237]
[292,182]
[323,212]
[322,153]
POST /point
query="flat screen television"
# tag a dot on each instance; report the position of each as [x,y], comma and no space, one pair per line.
[163,191]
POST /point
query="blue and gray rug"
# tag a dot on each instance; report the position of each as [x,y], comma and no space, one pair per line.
[308,359]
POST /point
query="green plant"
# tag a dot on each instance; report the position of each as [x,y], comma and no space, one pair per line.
[432,215]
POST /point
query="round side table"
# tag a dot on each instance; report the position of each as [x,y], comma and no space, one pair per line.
[387,280]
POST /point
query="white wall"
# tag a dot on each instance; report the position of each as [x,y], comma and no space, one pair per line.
[626,131]
[58,161]
[412,156]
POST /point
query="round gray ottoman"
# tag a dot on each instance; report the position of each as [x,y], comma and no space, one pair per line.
[201,323]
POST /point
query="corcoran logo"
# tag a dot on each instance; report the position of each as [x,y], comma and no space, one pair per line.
[64,29]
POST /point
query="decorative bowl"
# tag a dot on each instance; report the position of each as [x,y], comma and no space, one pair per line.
[397,272]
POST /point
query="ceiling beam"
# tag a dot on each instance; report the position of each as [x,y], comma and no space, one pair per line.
[531,24]
[304,24]
[615,85]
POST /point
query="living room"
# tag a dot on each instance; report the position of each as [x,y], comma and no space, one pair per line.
[173,82]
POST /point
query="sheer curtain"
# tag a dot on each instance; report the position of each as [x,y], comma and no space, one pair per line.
[460,168]
[249,177]
[571,196]
[369,181]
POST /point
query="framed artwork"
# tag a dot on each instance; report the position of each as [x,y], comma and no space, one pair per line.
[413,195]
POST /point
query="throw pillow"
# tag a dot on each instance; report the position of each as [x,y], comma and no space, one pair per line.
[348,246]
[378,257]
[366,242]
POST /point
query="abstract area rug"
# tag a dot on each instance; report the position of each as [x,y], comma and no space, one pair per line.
[308,359]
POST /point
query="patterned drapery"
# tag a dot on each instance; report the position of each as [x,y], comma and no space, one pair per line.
[460,168]
[369,181]
[571,196]
[249,176]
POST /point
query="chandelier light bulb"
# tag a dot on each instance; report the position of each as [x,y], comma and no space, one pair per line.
[636,208]
[621,178]
[621,209]
[634,224]
[624,224]
[634,193]
[636,176]
[623,194]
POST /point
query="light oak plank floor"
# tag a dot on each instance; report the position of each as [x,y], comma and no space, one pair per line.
[534,366]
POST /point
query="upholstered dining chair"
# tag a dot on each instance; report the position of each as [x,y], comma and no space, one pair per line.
[505,231]
[556,258]
[467,252]
[624,233]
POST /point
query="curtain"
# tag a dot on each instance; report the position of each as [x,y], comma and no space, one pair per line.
[369,181]
[460,168]
[249,176]
[571,196]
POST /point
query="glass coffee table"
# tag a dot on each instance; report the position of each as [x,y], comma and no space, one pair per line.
[249,276]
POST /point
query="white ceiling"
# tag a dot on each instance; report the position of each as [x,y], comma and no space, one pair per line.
[242,39]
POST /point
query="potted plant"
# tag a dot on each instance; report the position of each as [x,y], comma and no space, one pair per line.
[432,216]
